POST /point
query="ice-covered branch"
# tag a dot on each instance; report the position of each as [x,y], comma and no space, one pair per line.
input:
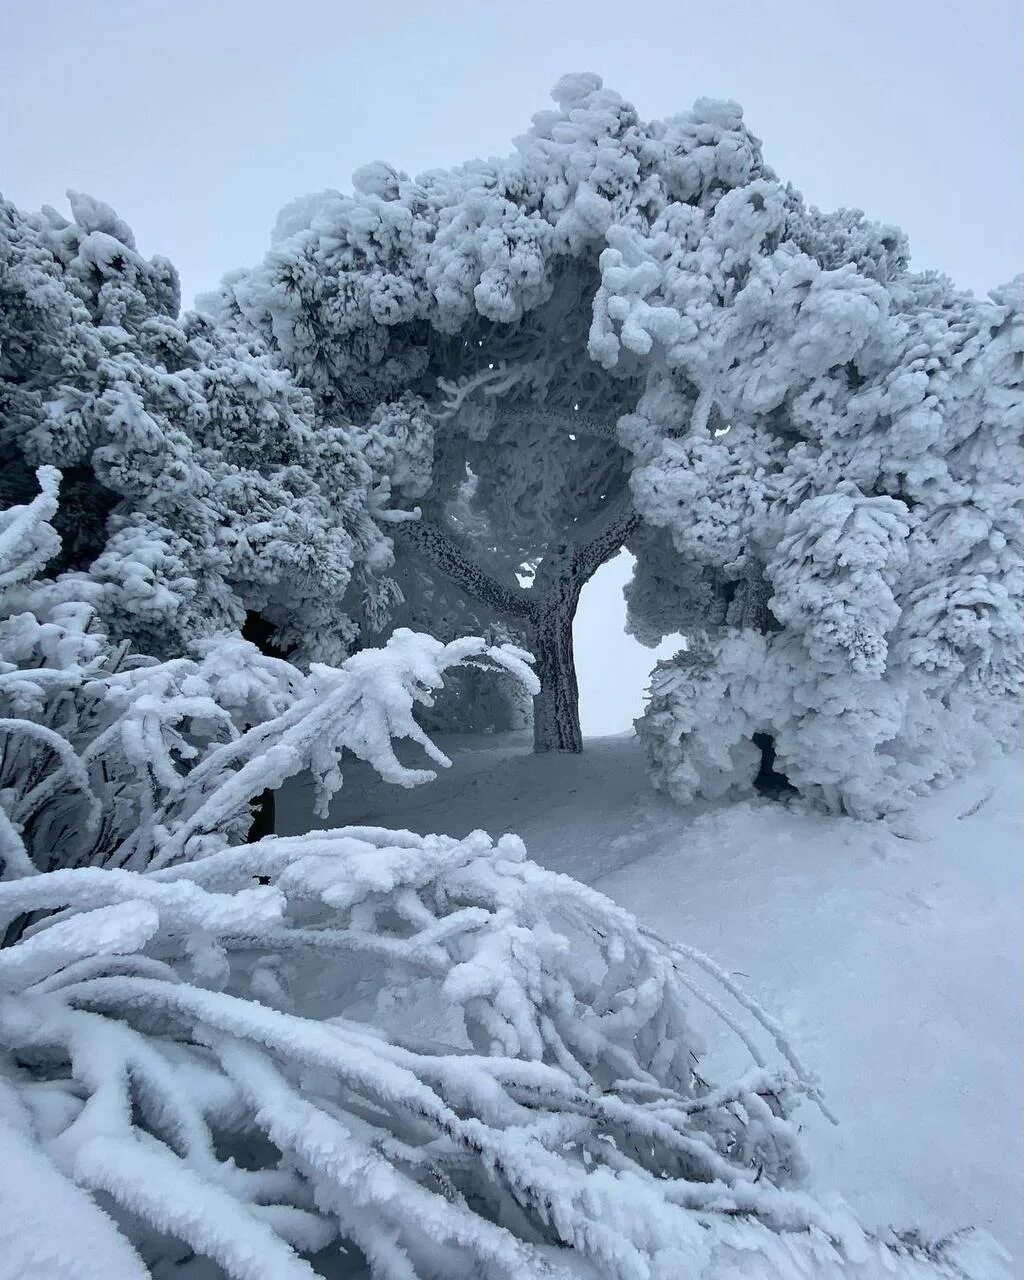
[456,563]
[490,382]
[111,762]
[182,1041]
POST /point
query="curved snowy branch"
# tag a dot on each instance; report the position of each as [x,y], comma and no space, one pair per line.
[555,1126]
[446,554]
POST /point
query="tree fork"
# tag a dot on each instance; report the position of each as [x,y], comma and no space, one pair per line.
[548,608]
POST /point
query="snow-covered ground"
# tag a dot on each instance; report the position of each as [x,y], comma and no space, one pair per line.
[895,960]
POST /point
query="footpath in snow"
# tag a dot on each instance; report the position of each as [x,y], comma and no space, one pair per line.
[895,961]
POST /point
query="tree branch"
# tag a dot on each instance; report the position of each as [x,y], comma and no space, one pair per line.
[566,567]
[591,555]
[580,422]
[447,555]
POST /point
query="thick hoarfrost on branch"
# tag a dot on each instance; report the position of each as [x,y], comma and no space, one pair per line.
[639,315]
[833,573]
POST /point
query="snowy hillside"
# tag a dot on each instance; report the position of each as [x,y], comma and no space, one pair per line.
[894,954]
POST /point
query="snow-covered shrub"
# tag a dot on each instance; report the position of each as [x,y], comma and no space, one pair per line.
[368,1052]
[856,745]
[838,680]
[113,759]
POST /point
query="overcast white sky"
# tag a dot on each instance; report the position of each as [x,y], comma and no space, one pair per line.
[199,119]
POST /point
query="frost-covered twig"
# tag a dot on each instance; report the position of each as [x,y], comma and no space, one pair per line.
[489,382]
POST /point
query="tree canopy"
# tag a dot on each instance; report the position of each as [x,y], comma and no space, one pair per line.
[445,402]
[633,333]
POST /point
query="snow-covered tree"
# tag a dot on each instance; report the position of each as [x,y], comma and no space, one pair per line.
[460,304]
[633,332]
[199,484]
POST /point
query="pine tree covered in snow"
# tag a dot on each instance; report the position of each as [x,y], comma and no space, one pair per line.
[633,333]
[199,484]
[357,1052]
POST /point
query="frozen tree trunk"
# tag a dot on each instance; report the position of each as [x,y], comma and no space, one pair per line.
[547,609]
[561,577]
[556,709]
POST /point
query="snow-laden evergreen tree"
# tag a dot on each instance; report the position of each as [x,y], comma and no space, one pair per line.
[850,494]
[356,1053]
[632,333]
[454,310]
[199,484]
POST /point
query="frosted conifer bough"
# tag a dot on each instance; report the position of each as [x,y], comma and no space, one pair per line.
[119,760]
[355,1053]
[363,1052]
[633,333]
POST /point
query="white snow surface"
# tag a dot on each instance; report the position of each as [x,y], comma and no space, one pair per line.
[893,953]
